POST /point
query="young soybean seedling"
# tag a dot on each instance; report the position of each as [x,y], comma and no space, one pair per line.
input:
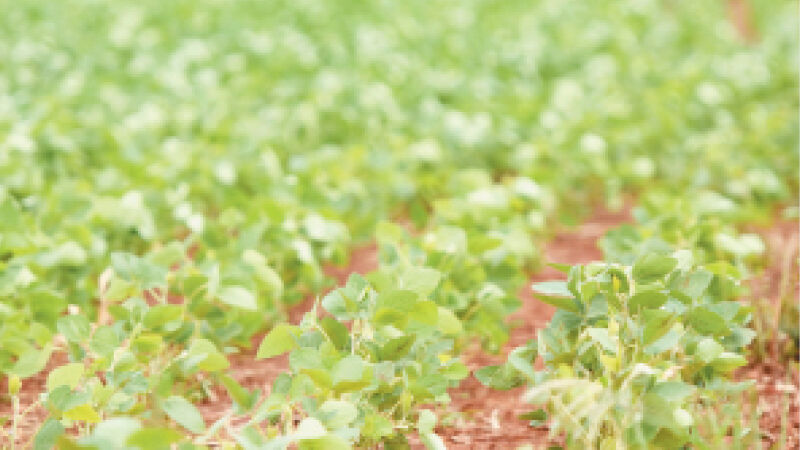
[629,351]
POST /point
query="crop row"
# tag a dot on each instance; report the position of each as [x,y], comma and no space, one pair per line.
[170,188]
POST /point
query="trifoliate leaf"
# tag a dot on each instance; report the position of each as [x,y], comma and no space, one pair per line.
[651,267]
[186,414]
[239,297]
[281,339]
[67,375]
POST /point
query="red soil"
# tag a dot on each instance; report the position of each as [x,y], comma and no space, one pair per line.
[771,291]
[741,16]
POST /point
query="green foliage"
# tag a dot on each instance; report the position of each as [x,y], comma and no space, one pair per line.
[632,353]
[174,176]
[368,385]
[664,220]
[472,287]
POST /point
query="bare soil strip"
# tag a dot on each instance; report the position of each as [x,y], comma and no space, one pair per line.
[777,382]
[740,15]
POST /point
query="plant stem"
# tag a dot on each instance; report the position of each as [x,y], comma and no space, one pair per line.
[14,421]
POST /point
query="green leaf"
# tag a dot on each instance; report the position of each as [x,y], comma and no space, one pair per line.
[619,281]
[116,430]
[154,438]
[343,303]
[84,413]
[306,358]
[600,336]
[563,268]
[349,368]
[455,371]
[40,333]
[168,255]
[727,362]
[336,332]
[537,415]
[673,391]
[310,428]
[697,283]
[320,377]
[335,303]
[63,398]
[32,362]
[207,356]
[349,374]
[448,323]
[723,268]
[647,299]
[239,394]
[376,426]
[251,439]
[552,288]
[75,328]
[657,411]
[186,414]
[266,274]
[426,421]
[501,377]
[329,442]
[708,349]
[159,315]
[567,304]
[104,341]
[321,229]
[707,322]
[67,375]
[426,312]
[48,434]
[422,280]
[133,268]
[119,289]
[740,337]
[657,323]
[652,267]
[668,341]
[432,441]
[396,348]
[709,202]
[726,309]
[239,297]
[556,293]
[388,316]
[281,339]
[400,300]
[682,417]
[337,414]
[522,358]
[147,343]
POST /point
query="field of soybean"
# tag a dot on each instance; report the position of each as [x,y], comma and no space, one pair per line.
[417,224]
